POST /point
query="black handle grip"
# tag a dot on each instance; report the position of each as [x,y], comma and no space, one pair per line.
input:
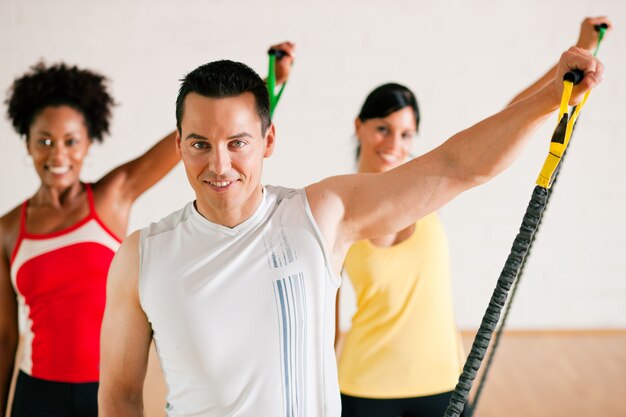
[574,76]
[600,26]
[277,52]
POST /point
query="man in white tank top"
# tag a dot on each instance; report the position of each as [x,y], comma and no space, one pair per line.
[237,288]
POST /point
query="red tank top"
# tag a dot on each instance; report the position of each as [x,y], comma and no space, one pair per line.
[60,280]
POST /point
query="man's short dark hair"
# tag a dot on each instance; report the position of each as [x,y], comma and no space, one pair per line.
[225,79]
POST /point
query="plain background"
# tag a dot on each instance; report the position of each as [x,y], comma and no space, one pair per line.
[464,59]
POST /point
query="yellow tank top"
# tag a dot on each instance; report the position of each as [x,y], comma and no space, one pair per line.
[403,341]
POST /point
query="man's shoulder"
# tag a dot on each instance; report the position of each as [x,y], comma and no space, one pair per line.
[278,194]
[279,191]
[167,223]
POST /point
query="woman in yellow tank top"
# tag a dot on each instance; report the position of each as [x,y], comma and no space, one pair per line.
[403,354]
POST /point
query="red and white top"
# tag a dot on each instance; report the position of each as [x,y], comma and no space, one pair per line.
[60,280]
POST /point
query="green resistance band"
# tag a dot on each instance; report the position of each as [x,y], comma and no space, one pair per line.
[274,54]
[601,29]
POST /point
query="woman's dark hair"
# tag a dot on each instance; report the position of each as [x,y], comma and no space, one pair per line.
[58,85]
[225,79]
[386,99]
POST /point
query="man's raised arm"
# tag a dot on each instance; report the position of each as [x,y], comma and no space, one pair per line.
[354,207]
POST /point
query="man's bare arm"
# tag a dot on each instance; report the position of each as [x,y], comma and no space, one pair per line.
[354,207]
[126,337]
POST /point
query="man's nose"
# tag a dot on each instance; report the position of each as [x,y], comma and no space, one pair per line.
[220,162]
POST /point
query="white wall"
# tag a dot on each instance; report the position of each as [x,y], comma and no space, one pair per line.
[464,59]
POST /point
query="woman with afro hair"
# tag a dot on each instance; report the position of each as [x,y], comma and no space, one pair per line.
[57,245]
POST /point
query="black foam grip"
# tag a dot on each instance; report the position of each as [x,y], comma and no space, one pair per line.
[277,52]
[600,26]
[574,76]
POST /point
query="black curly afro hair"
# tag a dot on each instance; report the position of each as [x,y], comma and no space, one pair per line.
[58,85]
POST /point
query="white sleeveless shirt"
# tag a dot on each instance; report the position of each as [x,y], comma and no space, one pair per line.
[243,317]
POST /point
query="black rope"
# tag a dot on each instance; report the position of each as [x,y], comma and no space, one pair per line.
[496,340]
[509,273]
[499,331]
[507,279]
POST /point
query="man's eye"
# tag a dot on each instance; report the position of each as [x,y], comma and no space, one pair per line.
[200,145]
[238,144]
[71,142]
[45,142]
[382,129]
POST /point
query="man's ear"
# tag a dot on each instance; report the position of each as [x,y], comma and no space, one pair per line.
[357,126]
[178,151]
[270,138]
